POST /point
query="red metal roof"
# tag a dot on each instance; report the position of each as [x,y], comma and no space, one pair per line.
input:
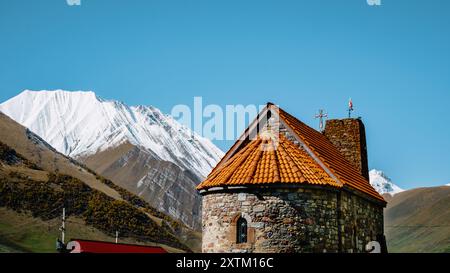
[86,246]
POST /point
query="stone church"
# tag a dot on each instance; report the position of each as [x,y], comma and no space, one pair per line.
[284,187]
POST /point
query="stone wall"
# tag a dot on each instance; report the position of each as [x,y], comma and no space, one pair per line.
[348,135]
[295,219]
[361,222]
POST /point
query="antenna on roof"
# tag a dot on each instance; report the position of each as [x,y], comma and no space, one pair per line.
[321,115]
[350,108]
[60,246]
[63,226]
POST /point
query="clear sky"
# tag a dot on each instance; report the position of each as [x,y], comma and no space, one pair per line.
[393,60]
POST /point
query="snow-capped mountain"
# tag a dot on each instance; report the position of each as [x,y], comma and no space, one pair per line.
[138,147]
[382,183]
[79,124]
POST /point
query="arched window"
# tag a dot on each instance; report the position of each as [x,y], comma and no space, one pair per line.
[241,230]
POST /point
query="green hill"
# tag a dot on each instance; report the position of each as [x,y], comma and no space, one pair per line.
[419,221]
[20,232]
[36,182]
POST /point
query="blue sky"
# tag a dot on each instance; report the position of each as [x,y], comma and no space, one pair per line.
[393,60]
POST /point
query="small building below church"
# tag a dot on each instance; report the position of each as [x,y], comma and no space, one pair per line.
[284,187]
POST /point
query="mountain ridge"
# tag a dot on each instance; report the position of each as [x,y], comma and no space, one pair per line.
[164,160]
[36,178]
[382,183]
[80,123]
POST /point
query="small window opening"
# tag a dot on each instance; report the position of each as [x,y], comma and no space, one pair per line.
[241,234]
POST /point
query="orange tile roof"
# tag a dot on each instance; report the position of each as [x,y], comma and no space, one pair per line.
[247,163]
[330,156]
[264,161]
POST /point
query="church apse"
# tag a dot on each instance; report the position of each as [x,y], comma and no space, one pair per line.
[301,196]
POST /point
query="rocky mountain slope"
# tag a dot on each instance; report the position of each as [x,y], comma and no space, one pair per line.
[81,124]
[139,148]
[36,179]
[162,183]
[36,150]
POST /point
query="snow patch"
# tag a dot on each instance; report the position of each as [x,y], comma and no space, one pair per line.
[79,123]
[382,183]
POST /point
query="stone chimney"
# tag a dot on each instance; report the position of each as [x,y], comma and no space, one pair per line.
[349,137]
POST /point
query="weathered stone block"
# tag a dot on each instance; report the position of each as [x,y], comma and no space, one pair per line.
[278,224]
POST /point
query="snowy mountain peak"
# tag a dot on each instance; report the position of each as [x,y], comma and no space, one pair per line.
[382,183]
[58,93]
[78,123]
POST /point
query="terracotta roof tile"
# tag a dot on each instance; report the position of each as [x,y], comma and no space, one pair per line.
[287,162]
[330,156]
[284,163]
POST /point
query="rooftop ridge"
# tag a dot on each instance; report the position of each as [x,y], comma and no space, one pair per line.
[246,163]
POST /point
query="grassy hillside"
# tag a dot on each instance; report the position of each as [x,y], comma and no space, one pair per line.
[21,232]
[419,221]
[45,200]
[37,180]
[38,152]
[162,184]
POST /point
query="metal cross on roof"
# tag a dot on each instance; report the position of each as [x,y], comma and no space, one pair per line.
[321,116]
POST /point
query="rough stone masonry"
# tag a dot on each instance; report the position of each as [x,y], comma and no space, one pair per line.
[297,218]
